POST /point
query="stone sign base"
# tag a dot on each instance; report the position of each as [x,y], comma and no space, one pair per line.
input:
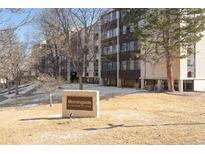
[80,103]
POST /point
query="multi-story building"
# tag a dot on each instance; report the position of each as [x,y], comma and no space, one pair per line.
[114,45]
[117,46]
[91,74]
[189,74]
[46,59]
[119,69]
[51,59]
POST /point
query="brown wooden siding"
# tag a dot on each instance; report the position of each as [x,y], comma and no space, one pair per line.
[109,74]
[109,25]
[110,57]
[125,55]
[130,74]
[108,42]
[126,38]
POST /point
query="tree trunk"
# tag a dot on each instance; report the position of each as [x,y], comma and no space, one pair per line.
[68,71]
[59,66]
[16,87]
[51,99]
[6,84]
[170,78]
[9,87]
[84,66]
[80,82]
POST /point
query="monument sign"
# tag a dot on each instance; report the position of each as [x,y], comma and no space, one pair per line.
[80,103]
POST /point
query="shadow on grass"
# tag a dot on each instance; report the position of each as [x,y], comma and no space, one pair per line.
[42,118]
[111,126]
[50,118]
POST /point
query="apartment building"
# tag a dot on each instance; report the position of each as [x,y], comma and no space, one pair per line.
[91,74]
[46,59]
[114,45]
[51,59]
[189,73]
[117,47]
[119,69]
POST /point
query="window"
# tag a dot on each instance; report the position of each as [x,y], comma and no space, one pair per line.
[109,17]
[123,47]
[114,32]
[110,66]
[106,34]
[114,15]
[124,65]
[128,29]
[110,33]
[124,30]
[105,50]
[132,45]
[110,50]
[131,27]
[104,66]
[190,62]
[114,66]
[189,74]
[136,65]
[122,14]
[128,46]
[114,48]
[131,64]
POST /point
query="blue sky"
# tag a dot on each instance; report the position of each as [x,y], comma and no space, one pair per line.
[16,18]
[29,28]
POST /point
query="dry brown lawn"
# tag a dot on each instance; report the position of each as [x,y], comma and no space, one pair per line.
[143,118]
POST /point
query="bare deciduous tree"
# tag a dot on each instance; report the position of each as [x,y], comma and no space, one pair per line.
[12,59]
[49,83]
[12,52]
[83,24]
[55,26]
[72,23]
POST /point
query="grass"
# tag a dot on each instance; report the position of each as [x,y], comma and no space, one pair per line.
[143,118]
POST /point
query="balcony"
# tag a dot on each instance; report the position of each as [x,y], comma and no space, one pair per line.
[109,25]
[130,74]
[109,73]
[124,74]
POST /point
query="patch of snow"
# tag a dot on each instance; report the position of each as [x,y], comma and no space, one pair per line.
[23,89]
[30,105]
[39,96]
[56,116]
